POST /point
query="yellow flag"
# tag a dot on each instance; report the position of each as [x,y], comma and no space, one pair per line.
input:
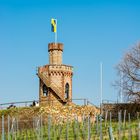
[53,25]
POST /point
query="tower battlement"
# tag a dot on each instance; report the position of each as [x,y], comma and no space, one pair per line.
[55,46]
[59,68]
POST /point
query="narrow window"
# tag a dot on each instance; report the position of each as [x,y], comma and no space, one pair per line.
[67,91]
[45,90]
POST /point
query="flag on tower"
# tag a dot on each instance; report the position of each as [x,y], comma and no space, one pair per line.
[53,25]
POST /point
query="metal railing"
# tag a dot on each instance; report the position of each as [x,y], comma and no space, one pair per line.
[109,101]
[77,101]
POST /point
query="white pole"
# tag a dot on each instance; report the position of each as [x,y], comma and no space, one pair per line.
[121,92]
[101,84]
[56,32]
[101,76]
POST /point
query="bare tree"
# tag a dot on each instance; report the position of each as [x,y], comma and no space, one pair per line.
[129,72]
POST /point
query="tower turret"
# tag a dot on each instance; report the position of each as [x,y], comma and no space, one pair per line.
[55,53]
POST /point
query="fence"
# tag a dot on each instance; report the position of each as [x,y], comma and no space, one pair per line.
[85,127]
[78,101]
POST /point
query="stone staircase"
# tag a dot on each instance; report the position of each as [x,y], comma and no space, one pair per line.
[51,85]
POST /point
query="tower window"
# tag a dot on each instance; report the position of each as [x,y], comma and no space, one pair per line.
[45,90]
[67,91]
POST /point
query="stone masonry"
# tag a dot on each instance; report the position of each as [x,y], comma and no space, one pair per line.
[55,79]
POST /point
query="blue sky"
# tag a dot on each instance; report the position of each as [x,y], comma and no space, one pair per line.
[92,31]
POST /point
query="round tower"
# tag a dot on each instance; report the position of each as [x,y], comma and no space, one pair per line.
[55,53]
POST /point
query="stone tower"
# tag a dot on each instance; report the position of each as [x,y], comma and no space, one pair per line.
[55,79]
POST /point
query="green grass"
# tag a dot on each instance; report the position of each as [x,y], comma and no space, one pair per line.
[77,131]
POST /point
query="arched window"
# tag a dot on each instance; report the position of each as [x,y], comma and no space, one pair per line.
[45,90]
[67,91]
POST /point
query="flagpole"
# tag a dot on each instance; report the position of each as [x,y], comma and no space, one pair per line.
[56,32]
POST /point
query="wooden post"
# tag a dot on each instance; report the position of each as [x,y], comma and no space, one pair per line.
[3,135]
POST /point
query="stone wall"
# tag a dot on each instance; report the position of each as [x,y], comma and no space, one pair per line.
[132,108]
